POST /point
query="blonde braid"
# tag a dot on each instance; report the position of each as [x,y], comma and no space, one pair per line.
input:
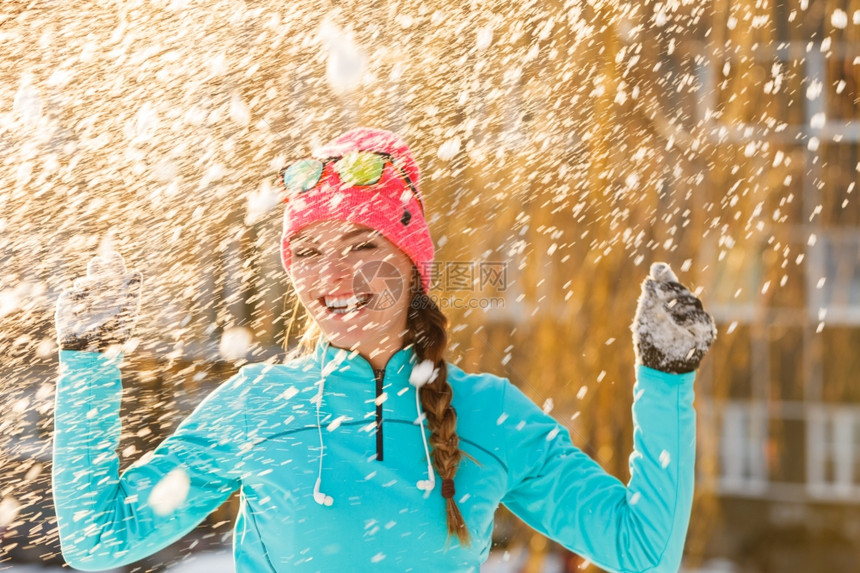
[427,327]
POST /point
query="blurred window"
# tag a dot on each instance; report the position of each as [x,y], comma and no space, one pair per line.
[742,448]
[785,365]
[840,364]
[833,277]
[730,361]
[833,464]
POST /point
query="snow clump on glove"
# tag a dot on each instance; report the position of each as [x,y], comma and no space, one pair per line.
[671,330]
[101,309]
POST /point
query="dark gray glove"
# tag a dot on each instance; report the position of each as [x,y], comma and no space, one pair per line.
[101,309]
[671,330]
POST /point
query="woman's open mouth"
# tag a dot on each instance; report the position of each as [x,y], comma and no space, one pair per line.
[344,304]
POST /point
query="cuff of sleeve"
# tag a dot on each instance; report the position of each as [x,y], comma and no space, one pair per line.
[85,359]
[646,374]
[91,372]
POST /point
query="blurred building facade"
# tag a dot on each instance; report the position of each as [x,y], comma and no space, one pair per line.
[783,402]
[564,148]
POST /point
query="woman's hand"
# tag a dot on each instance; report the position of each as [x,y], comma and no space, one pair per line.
[100,309]
[671,330]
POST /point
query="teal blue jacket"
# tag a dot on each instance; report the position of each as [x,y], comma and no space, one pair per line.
[258,433]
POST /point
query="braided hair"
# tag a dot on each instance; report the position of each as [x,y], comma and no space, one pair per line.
[427,327]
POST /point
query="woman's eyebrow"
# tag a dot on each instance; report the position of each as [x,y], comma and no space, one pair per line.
[301,237]
[346,236]
[356,232]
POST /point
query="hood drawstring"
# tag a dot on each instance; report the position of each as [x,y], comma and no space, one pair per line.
[422,374]
[417,379]
[319,496]
[425,485]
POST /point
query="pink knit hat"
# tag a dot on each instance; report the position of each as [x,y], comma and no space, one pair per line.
[389,206]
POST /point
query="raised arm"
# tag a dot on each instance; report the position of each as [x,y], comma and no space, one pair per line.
[564,494]
[107,520]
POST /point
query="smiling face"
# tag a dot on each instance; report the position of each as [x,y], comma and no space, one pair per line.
[355,284]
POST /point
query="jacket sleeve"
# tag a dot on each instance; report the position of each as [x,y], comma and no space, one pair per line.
[564,494]
[106,520]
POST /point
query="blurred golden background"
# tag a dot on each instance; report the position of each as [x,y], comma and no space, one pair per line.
[565,146]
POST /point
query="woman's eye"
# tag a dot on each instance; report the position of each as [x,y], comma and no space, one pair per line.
[304,253]
[364,245]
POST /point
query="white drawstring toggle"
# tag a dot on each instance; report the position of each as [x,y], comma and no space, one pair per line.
[320,497]
[427,484]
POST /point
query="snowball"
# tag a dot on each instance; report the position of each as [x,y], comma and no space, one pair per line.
[9,301]
[260,202]
[235,343]
[165,171]
[239,111]
[423,373]
[28,103]
[9,509]
[217,64]
[145,122]
[449,149]
[818,120]
[346,62]
[484,38]
[813,90]
[169,493]
[839,19]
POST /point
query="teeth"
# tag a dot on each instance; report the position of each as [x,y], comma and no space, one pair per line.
[341,302]
[344,304]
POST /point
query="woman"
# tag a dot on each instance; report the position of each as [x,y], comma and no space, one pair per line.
[369,452]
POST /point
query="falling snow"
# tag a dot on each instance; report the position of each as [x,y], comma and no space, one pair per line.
[574,142]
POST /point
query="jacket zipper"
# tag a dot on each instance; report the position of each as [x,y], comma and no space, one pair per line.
[379,375]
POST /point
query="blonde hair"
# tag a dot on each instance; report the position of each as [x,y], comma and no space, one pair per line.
[310,333]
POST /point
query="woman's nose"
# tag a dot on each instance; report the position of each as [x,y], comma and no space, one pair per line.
[334,268]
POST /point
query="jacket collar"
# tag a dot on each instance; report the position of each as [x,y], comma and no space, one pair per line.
[351,364]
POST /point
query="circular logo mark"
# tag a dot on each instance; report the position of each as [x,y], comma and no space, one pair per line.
[383,280]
